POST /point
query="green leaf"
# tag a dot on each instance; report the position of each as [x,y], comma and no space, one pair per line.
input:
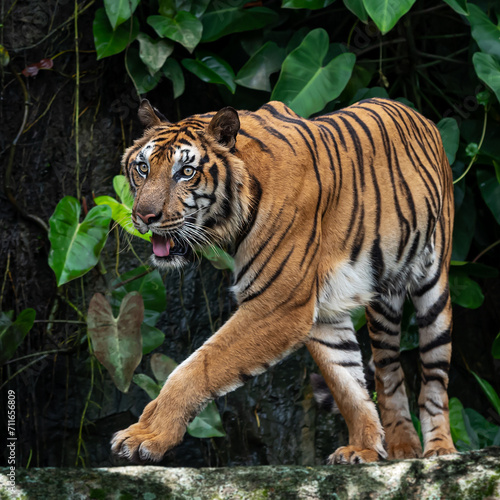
[75,246]
[162,367]
[365,93]
[207,424]
[222,19]
[151,288]
[450,135]
[154,53]
[12,333]
[263,63]
[488,70]
[495,349]
[464,291]
[119,11]
[306,4]
[121,215]
[173,72]
[122,189]
[496,164]
[489,391]
[476,269]
[305,85]
[465,223]
[490,191]
[358,9]
[117,342]
[218,257]
[387,13]
[358,317]
[151,338]
[484,31]
[148,384]
[108,41]
[212,69]
[140,72]
[184,28]
[459,6]
[4,56]
[418,427]
[488,434]
[457,424]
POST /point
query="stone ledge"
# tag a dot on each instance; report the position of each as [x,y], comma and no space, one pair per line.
[474,475]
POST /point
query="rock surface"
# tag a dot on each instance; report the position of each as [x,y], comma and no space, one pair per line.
[474,475]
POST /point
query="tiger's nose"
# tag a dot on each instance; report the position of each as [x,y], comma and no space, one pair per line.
[149,218]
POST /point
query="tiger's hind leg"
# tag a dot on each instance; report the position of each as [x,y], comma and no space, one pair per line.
[431,298]
[335,349]
[384,324]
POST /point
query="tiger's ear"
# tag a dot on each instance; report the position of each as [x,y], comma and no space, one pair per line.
[150,116]
[224,126]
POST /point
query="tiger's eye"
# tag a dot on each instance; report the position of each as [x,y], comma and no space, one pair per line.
[187,171]
[143,168]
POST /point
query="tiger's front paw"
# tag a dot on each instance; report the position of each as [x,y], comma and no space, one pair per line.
[353,455]
[150,438]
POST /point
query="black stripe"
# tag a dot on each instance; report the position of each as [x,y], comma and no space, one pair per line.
[428,286]
[384,362]
[262,146]
[442,365]
[380,344]
[396,387]
[383,310]
[442,339]
[346,345]
[256,194]
[434,311]
[376,326]
[273,278]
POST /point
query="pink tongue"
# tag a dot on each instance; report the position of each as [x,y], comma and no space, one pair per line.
[161,245]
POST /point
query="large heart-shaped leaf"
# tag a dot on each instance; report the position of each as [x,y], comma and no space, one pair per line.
[12,333]
[484,31]
[304,83]
[357,8]
[152,338]
[140,73]
[490,191]
[118,11]
[121,212]
[153,53]
[207,424]
[108,41]
[491,394]
[450,135]
[488,70]
[464,291]
[222,19]
[218,257]
[117,342]
[184,28]
[75,246]
[387,13]
[263,63]
[457,424]
[173,71]
[212,69]
[162,366]
[459,6]
[306,4]
[148,384]
[149,285]
[488,434]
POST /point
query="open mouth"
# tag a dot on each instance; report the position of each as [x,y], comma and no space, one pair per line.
[165,247]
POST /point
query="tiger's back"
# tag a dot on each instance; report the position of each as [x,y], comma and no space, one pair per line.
[324,215]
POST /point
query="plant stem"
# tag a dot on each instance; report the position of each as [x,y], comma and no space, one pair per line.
[487,249]
[478,148]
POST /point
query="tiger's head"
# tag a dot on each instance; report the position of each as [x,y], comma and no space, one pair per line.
[190,187]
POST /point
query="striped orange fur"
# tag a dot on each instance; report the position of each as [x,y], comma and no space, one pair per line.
[324,215]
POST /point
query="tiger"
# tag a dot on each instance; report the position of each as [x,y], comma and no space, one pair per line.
[322,215]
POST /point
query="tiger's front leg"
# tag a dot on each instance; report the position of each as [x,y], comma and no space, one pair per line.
[245,346]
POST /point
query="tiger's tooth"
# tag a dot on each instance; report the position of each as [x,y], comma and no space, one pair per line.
[172,244]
